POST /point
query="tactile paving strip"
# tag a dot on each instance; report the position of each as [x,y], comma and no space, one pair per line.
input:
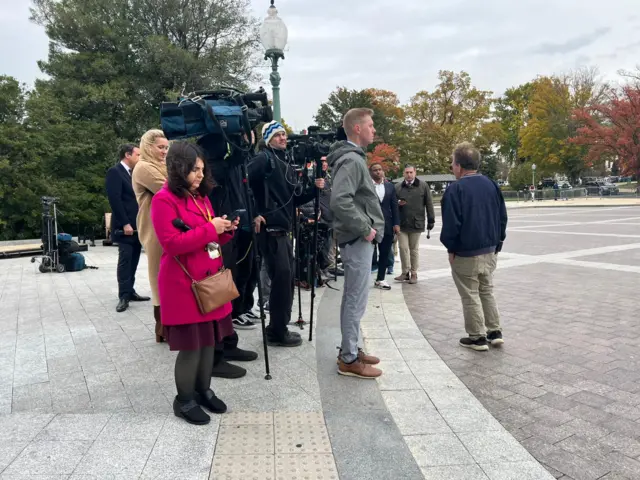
[306,467]
[298,418]
[302,439]
[243,467]
[245,440]
[247,418]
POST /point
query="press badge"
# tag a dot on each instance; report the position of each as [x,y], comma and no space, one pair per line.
[214,250]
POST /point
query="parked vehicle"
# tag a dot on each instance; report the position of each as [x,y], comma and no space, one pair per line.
[601,188]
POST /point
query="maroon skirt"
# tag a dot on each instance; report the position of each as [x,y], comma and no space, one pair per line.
[195,336]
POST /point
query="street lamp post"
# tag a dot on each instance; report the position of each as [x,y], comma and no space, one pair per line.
[273,36]
[533,177]
[533,174]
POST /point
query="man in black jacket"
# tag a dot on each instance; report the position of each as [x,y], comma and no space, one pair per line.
[474,226]
[389,203]
[124,210]
[277,192]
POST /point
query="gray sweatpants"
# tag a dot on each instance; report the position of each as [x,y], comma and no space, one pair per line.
[356,261]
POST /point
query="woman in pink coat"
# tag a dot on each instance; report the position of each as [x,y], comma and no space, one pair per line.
[193,334]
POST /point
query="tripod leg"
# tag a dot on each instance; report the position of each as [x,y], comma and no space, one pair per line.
[257,263]
[300,323]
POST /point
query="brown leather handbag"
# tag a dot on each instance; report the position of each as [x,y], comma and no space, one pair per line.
[214,291]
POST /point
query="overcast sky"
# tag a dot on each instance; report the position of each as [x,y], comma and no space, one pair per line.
[401,45]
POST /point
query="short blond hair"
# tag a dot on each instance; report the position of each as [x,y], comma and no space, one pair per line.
[354,117]
[147,140]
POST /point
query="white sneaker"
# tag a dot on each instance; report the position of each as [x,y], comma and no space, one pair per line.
[382,285]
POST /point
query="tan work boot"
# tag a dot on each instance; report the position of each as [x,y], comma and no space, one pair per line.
[358,369]
[403,277]
[414,279]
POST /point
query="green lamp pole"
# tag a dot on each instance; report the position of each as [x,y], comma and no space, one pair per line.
[273,36]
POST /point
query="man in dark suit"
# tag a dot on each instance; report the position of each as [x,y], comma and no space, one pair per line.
[389,203]
[124,210]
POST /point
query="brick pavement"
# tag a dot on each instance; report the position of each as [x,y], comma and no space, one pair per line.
[567,382]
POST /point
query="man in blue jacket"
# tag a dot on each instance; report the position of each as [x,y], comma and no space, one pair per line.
[474,225]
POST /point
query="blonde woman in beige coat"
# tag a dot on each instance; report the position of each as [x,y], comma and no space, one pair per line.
[148,178]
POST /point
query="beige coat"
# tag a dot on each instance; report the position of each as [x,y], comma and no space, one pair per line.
[148,178]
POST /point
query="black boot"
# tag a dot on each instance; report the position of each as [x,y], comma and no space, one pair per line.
[224,369]
[212,403]
[239,355]
[190,411]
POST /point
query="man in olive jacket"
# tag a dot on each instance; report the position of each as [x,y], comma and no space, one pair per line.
[357,221]
[416,206]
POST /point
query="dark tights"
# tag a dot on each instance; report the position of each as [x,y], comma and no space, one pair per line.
[193,372]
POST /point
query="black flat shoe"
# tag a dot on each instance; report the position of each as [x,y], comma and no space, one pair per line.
[190,411]
[137,298]
[123,304]
[226,370]
[240,355]
[212,403]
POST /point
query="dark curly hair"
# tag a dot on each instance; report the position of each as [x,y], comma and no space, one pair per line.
[181,160]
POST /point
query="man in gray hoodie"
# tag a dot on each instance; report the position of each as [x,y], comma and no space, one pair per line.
[357,222]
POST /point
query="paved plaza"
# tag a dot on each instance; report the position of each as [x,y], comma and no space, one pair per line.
[85,393]
[566,384]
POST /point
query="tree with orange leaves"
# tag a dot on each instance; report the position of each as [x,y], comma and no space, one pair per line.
[612,130]
[386,155]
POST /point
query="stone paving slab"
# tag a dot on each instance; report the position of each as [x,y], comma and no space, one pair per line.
[449,432]
[566,382]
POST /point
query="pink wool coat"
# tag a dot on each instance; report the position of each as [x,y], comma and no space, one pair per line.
[177,303]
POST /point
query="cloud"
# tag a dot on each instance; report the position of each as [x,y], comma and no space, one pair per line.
[401,46]
[572,44]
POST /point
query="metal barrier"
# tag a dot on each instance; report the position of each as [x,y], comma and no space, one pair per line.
[550,194]
[561,194]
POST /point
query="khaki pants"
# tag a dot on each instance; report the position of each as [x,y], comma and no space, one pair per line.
[409,251]
[473,277]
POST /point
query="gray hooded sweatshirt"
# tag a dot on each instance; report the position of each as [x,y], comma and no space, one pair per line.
[354,202]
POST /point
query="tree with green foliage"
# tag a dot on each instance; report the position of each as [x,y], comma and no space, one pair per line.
[22,181]
[521,176]
[511,111]
[111,63]
[489,166]
[388,115]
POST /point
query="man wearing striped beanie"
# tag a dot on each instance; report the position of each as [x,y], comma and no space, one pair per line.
[274,131]
[277,192]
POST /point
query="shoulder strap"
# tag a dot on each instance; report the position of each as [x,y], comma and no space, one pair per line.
[184,269]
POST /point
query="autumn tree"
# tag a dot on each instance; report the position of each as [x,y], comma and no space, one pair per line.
[388,156]
[551,124]
[454,112]
[612,130]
